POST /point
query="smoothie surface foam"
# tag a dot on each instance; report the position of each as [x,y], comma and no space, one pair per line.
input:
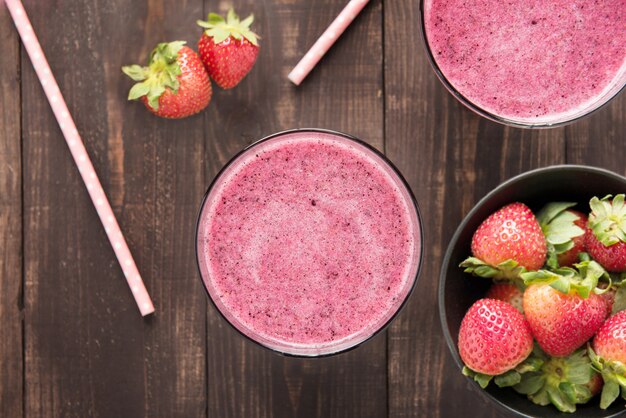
[309,240]
[529,60]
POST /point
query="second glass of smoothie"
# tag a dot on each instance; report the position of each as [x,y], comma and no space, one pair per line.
[528,63]
[309,242]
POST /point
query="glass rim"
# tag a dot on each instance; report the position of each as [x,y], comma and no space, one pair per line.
[403,183]
[492,116]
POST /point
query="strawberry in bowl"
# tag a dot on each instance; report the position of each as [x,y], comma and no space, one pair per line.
[566,294]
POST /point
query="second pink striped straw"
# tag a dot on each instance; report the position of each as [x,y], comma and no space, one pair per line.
[328,38]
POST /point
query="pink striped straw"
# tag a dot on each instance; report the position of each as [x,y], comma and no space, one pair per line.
[77,148]
[324,42]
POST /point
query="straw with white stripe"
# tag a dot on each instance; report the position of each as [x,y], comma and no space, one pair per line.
[328,38]
[77,148]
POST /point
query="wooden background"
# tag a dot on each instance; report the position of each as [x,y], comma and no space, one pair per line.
[72,343]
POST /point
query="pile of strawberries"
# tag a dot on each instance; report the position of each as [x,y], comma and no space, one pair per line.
[553,324]
[176,82]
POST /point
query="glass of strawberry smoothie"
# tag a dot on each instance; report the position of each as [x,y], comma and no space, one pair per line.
[528,63]
[309,242]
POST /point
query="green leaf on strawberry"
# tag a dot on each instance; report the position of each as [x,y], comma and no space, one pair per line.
[510,378]
[162,72]
[507,270]
[559,227]
[506,379]
[562,382]
[582,280]
[608,219]
[482,379]
[614,376]
[220,29]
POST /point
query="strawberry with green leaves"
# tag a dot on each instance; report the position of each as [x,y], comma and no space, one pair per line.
[507,243]
[228,48]
[174,85]
[564,230]
[563,382]
[494,338]
[564,307]
[609,358]
[606,236]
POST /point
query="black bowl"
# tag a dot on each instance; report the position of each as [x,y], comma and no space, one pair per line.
[457,290]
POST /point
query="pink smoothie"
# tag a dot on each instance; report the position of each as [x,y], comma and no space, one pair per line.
[309,243]
[533,61]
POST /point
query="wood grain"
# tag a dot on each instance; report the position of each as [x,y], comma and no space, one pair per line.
[343,93]
[88,352]
[11,383]
[451,158]
[72,342]
[599,139]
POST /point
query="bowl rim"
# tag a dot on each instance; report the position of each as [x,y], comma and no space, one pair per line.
[492,116]
[403,182]
[454,240]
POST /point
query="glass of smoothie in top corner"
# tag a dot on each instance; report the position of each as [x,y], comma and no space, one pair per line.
[528,63]
[309,242]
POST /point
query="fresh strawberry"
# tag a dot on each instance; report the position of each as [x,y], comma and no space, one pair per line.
[506,244]
[563,382]
[494,338]
[174,85]
[609,357]
[570,257]
[610,341]
[507,292]
[606,237]
[561,323]
[228,48]
[564,230]
[563,307]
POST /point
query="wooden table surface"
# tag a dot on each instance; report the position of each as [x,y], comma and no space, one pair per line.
[72,343]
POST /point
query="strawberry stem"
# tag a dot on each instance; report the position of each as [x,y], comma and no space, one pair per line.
[608,219]
[582,280]
[160,74]
[221,29]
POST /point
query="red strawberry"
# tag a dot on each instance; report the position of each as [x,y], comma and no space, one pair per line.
[610,341]
[569,257]
[564,229]
[507,242]
[506,292]
[174,85]
[562,322]
[494,337]
[228,48]
[606,237]
[609,357]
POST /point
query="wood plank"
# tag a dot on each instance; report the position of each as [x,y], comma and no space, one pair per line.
[451,158]
[343,93]
[11,275]
[598,140]
[88,352]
